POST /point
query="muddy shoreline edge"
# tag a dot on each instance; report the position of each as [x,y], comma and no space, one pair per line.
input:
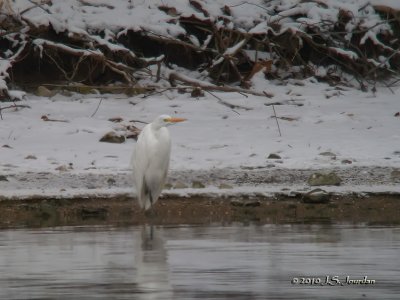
[368,195]
[372,210]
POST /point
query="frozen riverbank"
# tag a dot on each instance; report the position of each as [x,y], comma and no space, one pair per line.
[219,151]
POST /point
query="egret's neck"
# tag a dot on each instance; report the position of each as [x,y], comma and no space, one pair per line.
[156,126]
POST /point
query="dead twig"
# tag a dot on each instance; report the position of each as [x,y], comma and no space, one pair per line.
[276,119]
[12,106]
[137,121]
[47,119]
[232,107]
[286,102]
[155,93]
[97,108]
[40,6]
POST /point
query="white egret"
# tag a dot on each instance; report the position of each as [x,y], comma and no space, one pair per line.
[150,160]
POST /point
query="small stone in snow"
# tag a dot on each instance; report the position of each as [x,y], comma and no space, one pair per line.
[273,156]
[31,157]
[225,186]
[198,185]
[111,181]
[116,119]
[327,153]
[324,179]
[43,91]
[269,95]
[180,185]
[3,178]
[167,186]
[395,175]
[62,168]
[112,137]
[316,196]
[346,162]
[247,167]
[197,92]
[66,93]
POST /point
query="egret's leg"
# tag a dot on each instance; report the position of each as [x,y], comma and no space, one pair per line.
[150,213]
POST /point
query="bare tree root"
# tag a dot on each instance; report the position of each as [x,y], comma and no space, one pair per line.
[283,42]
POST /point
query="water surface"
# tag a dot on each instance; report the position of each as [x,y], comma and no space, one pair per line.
[204,262]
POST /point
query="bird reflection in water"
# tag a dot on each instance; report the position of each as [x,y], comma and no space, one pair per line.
[151,265]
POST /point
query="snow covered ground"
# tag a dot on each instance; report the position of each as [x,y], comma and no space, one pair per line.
[224,149]
[354,133]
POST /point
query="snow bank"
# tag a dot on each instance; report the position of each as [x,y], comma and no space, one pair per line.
[334,129]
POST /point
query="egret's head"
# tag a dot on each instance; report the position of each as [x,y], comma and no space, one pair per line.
[165,120]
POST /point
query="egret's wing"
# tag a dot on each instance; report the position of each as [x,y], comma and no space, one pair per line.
[140,162]
[157,170]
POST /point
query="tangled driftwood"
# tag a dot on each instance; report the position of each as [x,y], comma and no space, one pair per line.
[228,51]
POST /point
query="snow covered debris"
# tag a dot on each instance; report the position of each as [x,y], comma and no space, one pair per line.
[116,40]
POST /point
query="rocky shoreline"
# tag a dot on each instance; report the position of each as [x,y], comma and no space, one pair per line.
[225,182]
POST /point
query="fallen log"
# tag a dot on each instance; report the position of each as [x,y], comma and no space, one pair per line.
[173,77]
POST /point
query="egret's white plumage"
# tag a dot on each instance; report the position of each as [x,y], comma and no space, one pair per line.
[150,160]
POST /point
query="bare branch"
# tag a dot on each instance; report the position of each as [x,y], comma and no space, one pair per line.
[208,87]
[15,106]
[276,119]
[97,108]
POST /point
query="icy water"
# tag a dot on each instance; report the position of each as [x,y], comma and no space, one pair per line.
[205,262]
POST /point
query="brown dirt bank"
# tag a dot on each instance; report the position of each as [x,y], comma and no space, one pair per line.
[372,209]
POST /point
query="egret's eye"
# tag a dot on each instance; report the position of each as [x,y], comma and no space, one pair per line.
[166,120]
